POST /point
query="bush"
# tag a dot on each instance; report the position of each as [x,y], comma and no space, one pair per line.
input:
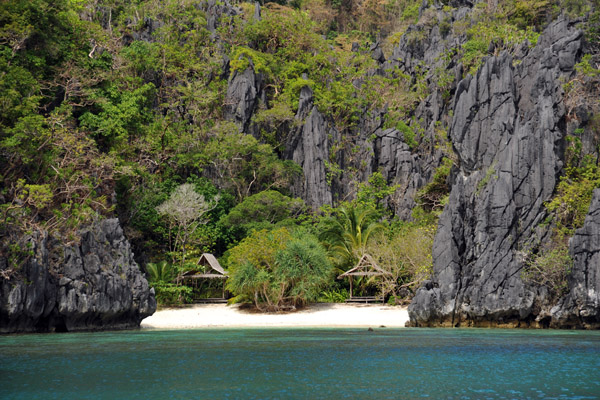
[404,252]
[574,191]
[161,272]
[333,296]
[171,294]
[550,267]
[433,196]
[302,270]
[261,211]
[276,271]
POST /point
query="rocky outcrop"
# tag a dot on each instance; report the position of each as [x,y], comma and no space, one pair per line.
[308,146]
[581,307]
[243,94]
[400,165]
[215,10]
[508,131]
[92,285]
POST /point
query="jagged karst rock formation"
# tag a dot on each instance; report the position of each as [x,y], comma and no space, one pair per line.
[508,131]
[243,94]
[506,125]
[309,147]
[92,285]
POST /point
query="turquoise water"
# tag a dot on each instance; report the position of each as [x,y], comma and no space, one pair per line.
[302,364]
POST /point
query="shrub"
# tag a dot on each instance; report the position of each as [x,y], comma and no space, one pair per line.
[574,191]
[433,195]
[262,210]
[550,267]
[302,270]
[405,253]
[333,296]
[171,294]
[276,271]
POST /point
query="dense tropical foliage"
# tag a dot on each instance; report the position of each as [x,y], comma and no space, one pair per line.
[115,108]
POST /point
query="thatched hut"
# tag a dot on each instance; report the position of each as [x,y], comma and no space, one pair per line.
[366,267]
[212,270]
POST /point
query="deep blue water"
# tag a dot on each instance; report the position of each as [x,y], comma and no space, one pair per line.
[302,364]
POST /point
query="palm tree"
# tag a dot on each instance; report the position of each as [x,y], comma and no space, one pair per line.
[347,234]
[161,272]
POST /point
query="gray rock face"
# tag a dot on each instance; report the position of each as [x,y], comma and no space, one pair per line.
[322,149]
[215,11]
[581,307]
[243,92]
[309,148]
[93,285]
[401,166]
[507,132]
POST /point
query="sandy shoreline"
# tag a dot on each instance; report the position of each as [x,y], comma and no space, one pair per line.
[317,315]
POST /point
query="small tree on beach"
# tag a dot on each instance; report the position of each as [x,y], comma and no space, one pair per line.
[347,233]
[405,255]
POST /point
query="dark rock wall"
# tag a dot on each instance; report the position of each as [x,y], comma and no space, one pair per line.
[93,285]
[244,91]
[508,131]
[309,146]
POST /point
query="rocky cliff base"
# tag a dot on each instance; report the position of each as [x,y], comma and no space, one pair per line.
[508,130]
[92,285]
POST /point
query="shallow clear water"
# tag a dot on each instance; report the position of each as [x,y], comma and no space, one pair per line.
[302,364]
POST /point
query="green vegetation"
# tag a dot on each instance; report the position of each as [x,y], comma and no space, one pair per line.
[550,268]
[347,233]
[503,30]
[574,191]
[161,276]
[434,195]
[263,211]
[116,108]
[277,270]
[404,251]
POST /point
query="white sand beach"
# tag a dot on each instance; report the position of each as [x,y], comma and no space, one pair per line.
[317,315]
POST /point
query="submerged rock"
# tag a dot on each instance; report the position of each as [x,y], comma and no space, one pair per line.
[92,285]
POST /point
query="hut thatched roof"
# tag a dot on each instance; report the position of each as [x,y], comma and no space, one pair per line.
[366,267]
[214,269]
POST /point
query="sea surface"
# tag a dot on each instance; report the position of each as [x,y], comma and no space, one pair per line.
[302,364]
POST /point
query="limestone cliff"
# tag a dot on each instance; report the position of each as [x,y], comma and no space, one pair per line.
[580,307]
[508,131]
[90,285]
[507,125]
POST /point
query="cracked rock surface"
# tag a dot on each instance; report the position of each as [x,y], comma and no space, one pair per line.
[92,285]
[507,132]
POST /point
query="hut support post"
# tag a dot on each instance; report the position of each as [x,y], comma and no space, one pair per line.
[350,286]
